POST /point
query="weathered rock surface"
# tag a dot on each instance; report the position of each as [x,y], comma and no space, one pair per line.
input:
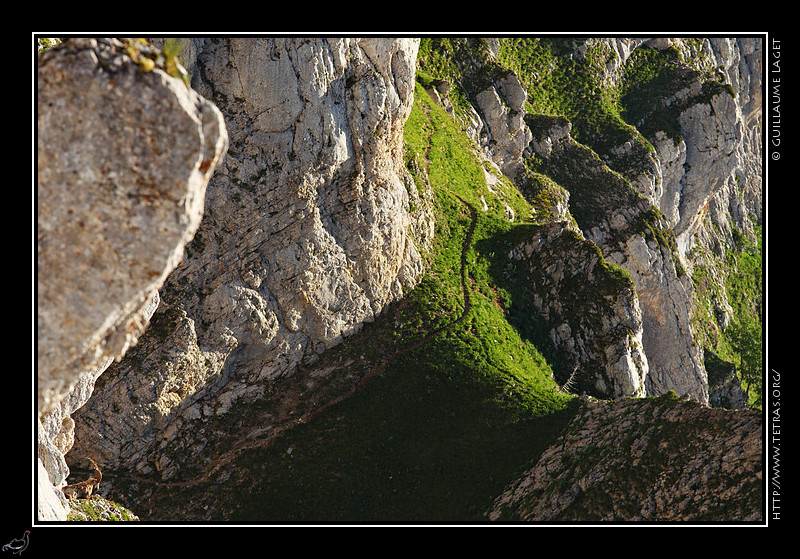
[505,135]
[631,234]
[124,154]
[718,146]
[609,211]
[589,309]
[312,227]
[651,459]
[308,233]
[706,179]
[137,150]
[737,199]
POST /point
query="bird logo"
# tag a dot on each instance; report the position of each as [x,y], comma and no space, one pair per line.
[18,545]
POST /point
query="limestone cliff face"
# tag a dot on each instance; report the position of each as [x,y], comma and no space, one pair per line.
[308,233]
[631,234]
[712,173]
[311,227]
[124,154]
[706,180]
[645,208]
[589,309]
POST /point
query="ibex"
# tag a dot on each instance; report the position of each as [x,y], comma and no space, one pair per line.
[84,489]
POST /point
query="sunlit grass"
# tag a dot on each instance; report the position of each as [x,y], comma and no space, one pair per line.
[441,431]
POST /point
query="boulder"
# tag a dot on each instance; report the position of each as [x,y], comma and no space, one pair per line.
[124,154]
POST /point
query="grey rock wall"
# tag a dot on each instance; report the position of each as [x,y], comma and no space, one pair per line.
[709,180]
[589,309]
[712,175]
[124,154]
[630,234]
[311,226]
[308,233]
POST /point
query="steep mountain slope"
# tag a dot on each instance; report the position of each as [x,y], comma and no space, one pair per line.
[396,285]
[646,135]
[653,459]
[306,236]
[450,400]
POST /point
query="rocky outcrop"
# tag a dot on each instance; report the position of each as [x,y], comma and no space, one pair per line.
[732,213]
[703,121]
[644,203]
[652,459]
[312,227]
[631,234]
[502,107]
[706,174]
[589,310]
[308,233]
[608,209]
[124,154]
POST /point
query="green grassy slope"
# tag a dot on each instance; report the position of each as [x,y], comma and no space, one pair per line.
[449,421]
[462,400]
